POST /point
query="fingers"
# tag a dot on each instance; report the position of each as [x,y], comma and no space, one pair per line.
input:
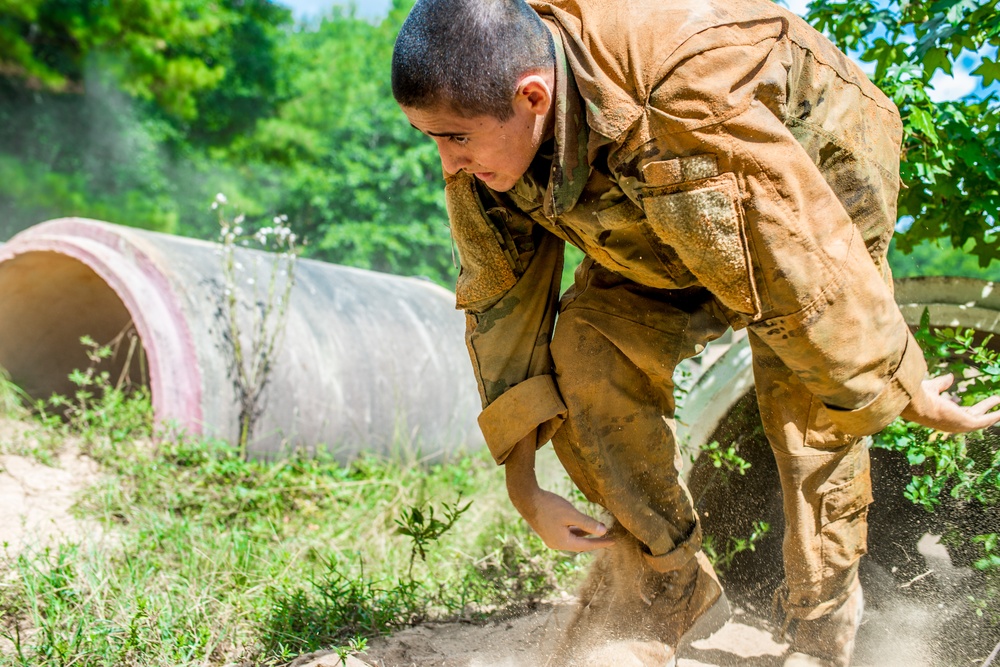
[573,538]
[985,405]
[587,525]
[562,526]
[581,544]
[940,383]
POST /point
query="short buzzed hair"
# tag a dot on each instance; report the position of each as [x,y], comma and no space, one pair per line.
[468,55]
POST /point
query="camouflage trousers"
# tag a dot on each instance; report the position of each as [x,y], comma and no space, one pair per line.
[615,348]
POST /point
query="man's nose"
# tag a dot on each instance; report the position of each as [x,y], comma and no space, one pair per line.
[452,160]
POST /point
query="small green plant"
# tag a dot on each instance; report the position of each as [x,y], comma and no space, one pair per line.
[355,645]
[12,398]
[101,411]
[726,459]
[252,345]
[423,528]
[734,546]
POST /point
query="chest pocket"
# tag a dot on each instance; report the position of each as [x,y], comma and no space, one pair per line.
[697,211]
[487,268]
[627,235]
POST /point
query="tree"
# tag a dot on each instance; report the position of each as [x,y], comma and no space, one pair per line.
[105,106]
[341,160]
[951,150]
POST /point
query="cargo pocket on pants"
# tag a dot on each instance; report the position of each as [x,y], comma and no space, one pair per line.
[703,222]
[844,522]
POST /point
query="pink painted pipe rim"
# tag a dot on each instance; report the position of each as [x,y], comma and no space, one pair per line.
[174,377]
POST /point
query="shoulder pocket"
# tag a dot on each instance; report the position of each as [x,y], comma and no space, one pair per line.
[702,220]
[486,272]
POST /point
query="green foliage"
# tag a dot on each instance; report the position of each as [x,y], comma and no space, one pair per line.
[951,150]
[167,51]
[12,398]
[423,528]
[100,410]
[938,257]
[109,112]
[726,459]
[958,475]
[734,546]
[341,159]
[294,121]
[963,466]
[336,608]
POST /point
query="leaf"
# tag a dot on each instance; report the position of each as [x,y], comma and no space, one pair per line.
[922,121]
[935,59]
[989,70]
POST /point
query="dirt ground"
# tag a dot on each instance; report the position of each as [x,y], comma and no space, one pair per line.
[532,640]
[888,638]
[915,614]
[36,499]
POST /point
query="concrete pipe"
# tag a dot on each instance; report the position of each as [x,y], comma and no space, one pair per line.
[369,361]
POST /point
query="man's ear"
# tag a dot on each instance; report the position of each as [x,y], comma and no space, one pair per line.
[534,94]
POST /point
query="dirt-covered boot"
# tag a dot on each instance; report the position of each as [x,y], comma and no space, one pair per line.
[687,604]
[828,641]
[626,599]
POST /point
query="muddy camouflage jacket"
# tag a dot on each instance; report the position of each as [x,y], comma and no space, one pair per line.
[715,143]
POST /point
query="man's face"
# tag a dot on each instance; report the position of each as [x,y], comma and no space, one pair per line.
[496,152]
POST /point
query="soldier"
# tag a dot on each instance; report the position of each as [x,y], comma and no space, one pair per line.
[721,164]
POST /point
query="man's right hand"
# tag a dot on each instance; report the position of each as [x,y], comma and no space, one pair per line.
[557,522]
[560,525]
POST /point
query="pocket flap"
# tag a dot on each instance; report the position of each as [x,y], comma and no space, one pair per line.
[847,499]
[486,271]
[679,170]
[620,215]
[703,222]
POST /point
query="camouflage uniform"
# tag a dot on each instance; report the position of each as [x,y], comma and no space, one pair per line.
[721,164]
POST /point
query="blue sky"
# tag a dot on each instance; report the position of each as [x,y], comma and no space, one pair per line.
[945,87]
[312,8]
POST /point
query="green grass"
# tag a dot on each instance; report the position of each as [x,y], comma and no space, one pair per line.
[204,558]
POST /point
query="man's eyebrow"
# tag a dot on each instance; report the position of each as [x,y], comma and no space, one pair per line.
[439,134]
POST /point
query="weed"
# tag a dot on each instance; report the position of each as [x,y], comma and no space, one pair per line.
[726,459]
[336,608]
[252,349]
[734,546]
[101,412]
[12,398]
[423,528]
[356,644]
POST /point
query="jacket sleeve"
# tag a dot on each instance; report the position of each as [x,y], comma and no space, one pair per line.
[749,211]
[509,289]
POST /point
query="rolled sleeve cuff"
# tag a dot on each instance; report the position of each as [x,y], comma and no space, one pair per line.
[532,405]
[885,407]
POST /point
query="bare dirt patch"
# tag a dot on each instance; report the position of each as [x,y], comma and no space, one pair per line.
[36,499]
[532,640]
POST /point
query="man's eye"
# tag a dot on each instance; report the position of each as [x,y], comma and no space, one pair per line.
[461,141]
